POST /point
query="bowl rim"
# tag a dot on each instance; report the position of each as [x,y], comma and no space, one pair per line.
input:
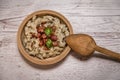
[35,60]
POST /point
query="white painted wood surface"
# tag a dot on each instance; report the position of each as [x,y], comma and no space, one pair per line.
[98,18]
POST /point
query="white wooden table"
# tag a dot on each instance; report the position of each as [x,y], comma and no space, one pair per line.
[98,18]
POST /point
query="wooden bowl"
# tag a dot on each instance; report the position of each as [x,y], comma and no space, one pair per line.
[35,60]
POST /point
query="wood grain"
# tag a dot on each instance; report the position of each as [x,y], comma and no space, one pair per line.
[98,18]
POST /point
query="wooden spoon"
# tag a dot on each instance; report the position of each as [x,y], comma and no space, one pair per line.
[85,46]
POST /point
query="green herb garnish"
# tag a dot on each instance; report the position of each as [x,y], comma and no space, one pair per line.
[49,43]
[48,31]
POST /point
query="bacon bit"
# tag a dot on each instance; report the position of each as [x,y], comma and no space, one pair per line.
[54,37]
[41,43]
[38,35]
[55,43]
[43,36]
[44,40]
[43,27]
[40,29]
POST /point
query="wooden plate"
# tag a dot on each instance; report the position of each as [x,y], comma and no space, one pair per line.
[35,60]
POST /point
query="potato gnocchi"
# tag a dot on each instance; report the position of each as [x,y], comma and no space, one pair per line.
[43,36]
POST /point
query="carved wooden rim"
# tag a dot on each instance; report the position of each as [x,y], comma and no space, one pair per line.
[34,59]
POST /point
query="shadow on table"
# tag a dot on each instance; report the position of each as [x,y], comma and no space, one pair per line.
[105,57]
[102,56]
[79,57]
[44,67]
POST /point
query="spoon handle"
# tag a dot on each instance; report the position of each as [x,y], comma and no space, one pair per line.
[108,52]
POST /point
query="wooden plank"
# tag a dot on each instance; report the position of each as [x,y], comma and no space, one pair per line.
[98,18]
[79,23]
[77,7]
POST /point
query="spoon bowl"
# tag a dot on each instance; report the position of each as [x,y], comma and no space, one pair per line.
[85,46]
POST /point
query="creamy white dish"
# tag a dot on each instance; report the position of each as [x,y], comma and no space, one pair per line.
[43,36]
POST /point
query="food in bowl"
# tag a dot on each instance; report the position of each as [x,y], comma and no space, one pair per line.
[43,36]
